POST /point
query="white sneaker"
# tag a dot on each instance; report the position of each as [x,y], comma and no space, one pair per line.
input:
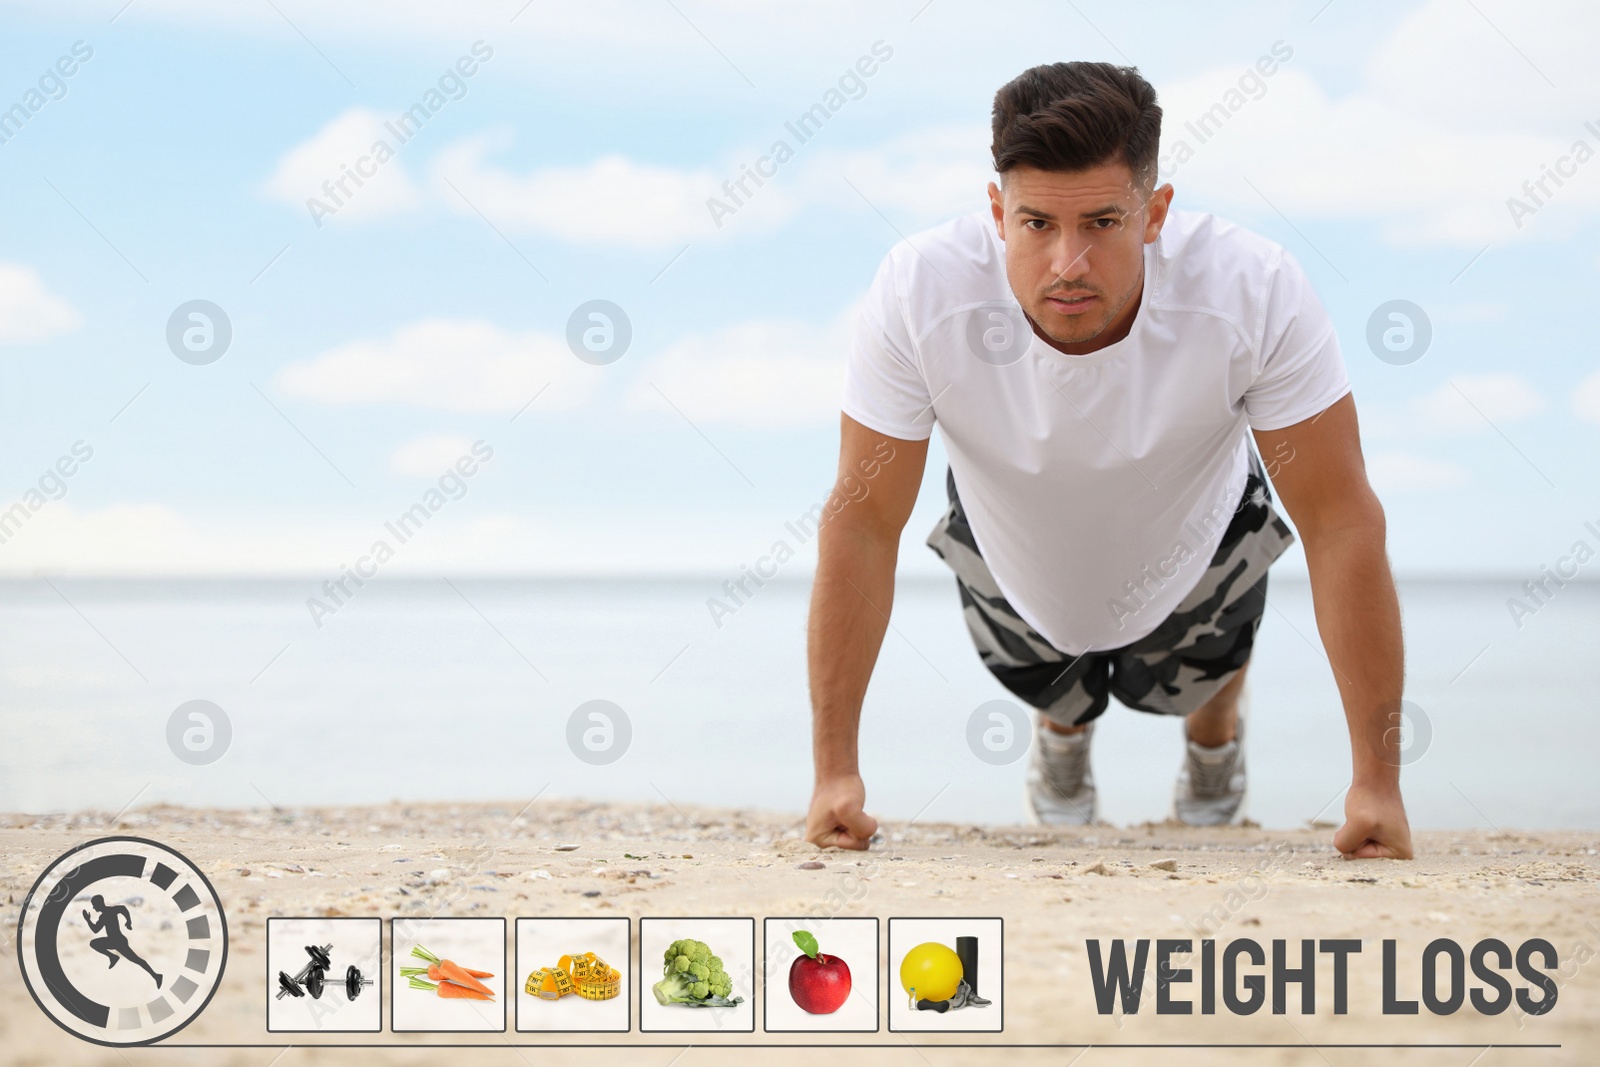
[1211,783]
[1060,785]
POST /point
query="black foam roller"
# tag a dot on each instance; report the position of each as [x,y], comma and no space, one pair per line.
[967,951]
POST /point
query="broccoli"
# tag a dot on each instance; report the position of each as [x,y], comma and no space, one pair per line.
[693,976]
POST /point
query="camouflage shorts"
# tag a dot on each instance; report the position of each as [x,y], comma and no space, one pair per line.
[1172,671]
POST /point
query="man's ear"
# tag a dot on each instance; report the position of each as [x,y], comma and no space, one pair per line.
[1156,212]
[997,205]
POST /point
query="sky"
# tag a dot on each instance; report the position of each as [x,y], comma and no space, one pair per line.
[569,154]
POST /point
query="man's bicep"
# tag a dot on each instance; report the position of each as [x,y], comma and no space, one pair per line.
[879,475]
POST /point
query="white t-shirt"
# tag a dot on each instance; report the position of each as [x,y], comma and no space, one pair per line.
[1105,479]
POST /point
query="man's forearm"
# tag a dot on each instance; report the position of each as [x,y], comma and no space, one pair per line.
[850,604]
[1358,615]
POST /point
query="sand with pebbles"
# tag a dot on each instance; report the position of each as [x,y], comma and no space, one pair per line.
[1054,889]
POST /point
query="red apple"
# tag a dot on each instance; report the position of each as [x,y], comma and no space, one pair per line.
[820,983]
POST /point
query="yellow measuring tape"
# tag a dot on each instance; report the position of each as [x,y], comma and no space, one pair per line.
[585,974]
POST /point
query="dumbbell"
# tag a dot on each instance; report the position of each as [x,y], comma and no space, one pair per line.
[318,965]
[320,962]
[315,983]
[353,982]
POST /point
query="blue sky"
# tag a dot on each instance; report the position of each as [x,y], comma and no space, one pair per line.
[574,164]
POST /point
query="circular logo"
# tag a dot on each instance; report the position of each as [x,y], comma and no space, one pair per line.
[198,732]
[998,333]
[1399,332]
[122,941]
[599,732]
[999,732]
[599,332]
[199,332]
[1410,731]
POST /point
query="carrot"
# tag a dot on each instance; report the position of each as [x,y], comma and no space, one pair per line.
[433,972]
[452,971]
[449,990]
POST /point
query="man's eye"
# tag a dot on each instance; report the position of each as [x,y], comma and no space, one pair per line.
[1108,222]
[1036,224]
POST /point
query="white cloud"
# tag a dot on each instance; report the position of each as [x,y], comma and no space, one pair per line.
[613,200]
[1586,401]
[429,457]
[1483,66]
[445,365]
[1359,157]
[1398,472]
[342,148]
[28,311]
[1427,156]
[1467,400]
[154,539]
[1417,153]
[647,31]
[653,40]
[1447,123]
[1451,112]
[917,179]
[761,374]
[924,177]
[137,538]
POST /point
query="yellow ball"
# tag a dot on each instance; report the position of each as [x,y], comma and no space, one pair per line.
[932,969]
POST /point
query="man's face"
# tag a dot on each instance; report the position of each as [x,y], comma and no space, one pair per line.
[1075,248]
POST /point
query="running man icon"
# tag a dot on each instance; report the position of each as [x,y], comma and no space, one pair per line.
[113,943]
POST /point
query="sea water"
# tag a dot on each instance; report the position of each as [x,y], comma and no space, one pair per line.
[466,688]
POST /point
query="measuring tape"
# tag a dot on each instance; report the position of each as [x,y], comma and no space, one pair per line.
[585,974]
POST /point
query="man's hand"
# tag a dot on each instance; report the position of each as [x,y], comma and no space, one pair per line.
[1375,825]
[836,819]
[858,540]
[1318,470]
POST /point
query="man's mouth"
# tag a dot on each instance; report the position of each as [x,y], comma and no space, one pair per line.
[1069,303]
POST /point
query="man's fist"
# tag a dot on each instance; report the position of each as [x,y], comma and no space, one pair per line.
[1375,824]
[836,818]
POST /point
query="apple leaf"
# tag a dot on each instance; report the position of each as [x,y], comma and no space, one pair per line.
[807,943]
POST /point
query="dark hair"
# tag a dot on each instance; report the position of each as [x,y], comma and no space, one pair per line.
[1073,116]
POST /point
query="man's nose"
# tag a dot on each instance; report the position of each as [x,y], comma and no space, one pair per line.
[1069,258]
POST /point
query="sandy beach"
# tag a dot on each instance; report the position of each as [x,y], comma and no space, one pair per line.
[1054,889]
